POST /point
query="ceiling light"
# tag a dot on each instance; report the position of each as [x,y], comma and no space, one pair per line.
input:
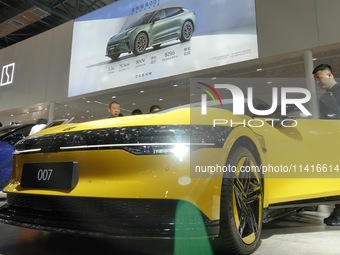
[39,12]
[259,69]
[22,19]
[142,91]
[15,23]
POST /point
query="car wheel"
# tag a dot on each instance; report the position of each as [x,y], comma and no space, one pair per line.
[141,43]
[241,206]
[187,31]
[115,56]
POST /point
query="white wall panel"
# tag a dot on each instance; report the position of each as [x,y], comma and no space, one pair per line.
[42,66]
[286,26]
[328,18]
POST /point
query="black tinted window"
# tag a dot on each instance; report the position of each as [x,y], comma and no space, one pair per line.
[159,15]
[172,11]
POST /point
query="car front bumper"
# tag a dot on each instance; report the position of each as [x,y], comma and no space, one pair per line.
[104,217]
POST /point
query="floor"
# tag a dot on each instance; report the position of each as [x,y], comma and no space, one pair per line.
[301,234]
[296,234]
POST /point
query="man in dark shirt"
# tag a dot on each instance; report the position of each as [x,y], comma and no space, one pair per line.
[329,109]
[330,101]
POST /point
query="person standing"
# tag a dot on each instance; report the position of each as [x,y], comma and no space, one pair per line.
[154,108]
[330,101]
[136,112]
[39,125]
[329,109]
[114,109]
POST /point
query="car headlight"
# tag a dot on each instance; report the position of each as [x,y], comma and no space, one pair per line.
[177,149]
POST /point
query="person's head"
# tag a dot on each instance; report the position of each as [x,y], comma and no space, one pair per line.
[41,121]
[114,109]
[154,108]
[323,75]
[136,112]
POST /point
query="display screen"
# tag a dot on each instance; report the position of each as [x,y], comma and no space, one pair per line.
[129,42]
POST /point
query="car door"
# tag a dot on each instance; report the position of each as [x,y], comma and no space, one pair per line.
[165,26]
[306,158]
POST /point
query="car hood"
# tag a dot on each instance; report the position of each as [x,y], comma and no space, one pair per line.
[181,116]
[121,35]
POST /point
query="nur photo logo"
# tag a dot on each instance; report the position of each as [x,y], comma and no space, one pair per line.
[211,91]
[275,105]
[239,100]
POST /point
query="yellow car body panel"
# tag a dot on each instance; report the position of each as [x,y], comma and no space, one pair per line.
[129,176]
[108,173]
[309,150]
[135,161]
[307,144]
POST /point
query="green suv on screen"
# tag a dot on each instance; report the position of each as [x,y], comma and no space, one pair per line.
[151,30]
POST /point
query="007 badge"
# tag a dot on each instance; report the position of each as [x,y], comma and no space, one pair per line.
[50,175]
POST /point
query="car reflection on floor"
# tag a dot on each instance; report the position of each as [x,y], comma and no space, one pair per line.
[295,234]
[21,241]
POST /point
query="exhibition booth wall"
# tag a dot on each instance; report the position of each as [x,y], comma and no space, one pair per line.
[42,64]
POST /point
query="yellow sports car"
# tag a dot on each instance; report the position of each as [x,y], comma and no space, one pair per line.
[175,174]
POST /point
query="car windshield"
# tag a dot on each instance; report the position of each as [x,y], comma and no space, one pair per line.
[142,20]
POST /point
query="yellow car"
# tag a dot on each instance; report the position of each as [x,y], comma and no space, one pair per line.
[175,174]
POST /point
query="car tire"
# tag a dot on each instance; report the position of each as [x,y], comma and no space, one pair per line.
[141,43]
[241,206]
[187,31]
